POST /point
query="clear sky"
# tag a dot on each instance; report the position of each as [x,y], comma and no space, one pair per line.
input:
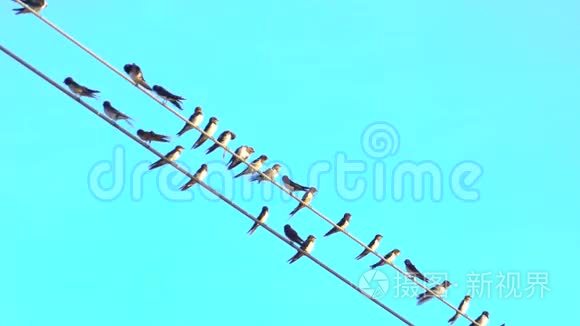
[481,87]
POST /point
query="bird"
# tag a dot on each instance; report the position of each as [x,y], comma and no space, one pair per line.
[167,96]
[293,186]
[261,220]
[341,225]
[306,199]
[209,130]
[271,173]
[414,272]
[223,140]
[307,247]
[482,320]
[389,258]
[373,245]
[134,71]
[36,5]
[149,136]
[438,290]
[254,166]
[78,89]
[243,152]
[171,156]
[115,114]
[292,234]
[463,306]
[197,177]
[195,119]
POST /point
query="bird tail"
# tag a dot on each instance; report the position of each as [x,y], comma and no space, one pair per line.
[295,210]
[188,185]
[329,232]
[452,320]
[129,122]
[373,266]
[212,148]
[253,229]
[20,11]
[156,165]
[177,104]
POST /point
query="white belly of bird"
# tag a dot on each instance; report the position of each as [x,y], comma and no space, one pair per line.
[309,247]
[211,130]
[197,120]
[202,175]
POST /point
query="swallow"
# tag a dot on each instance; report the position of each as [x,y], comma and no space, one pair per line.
[414,272]
[36,5]
[194,119]
[389,258]
[167,96]
[261,220]
[438,290]
[271,173]
[293,186]
[254,166]
[243,152]
[210,129]
[197,177]
[307,247]
[224,140]
[341,225]
[306,198]
[79,89]
[463,306]
[373,245]
[171,156]
[482,320]
[292,234]
[115,114]
[134,71]
[149,136]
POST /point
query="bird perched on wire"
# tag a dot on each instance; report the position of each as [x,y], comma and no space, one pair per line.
[167,96]
[293,186]
[243,152]
[115,114]
[261,220]
[209,130]
[307,247]
[149,136]
[438,290]
[223,139]
[80,90]
[341,225]
[36,5]
[270,173]
[463,306]
[292,234]
[134,71]
[306,199]
[197,177]
[482,320]
[414,272]
[195,119]
[372,246]
[171,157]
[388,258]
[254,166]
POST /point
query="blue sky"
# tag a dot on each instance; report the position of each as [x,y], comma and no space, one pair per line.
[491,82]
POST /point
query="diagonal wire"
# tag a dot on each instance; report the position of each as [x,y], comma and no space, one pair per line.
[203,184]
[277,185]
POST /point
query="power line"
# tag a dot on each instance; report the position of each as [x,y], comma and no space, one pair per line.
[277,185]
[203,184]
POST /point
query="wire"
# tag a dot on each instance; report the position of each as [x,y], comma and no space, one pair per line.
[203,184]
[277,185]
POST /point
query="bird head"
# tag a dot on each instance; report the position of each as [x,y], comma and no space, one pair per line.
[68,81]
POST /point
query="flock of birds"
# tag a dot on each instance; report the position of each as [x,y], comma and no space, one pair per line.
[243,153]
